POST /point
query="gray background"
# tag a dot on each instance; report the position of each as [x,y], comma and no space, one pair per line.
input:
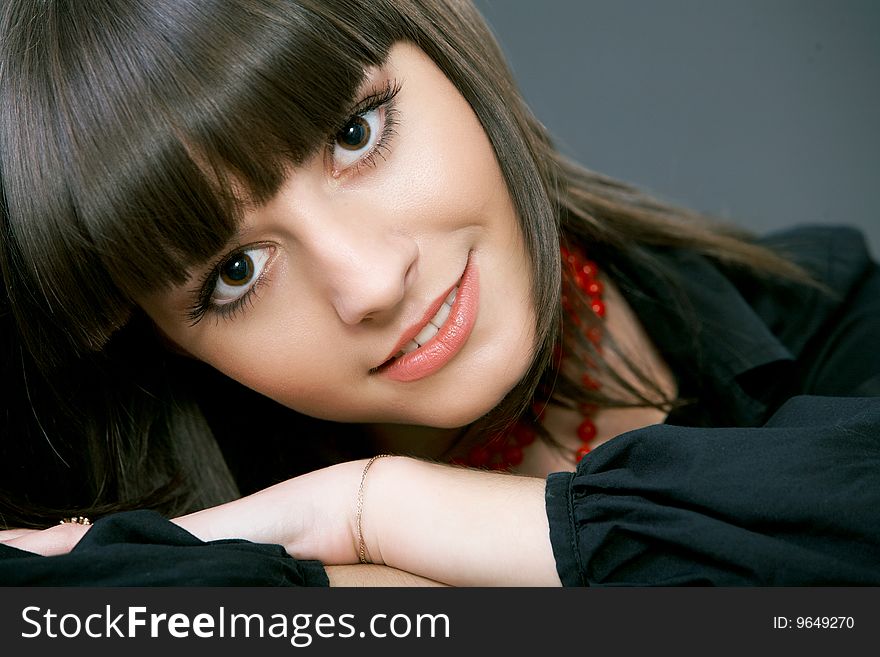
[764,113]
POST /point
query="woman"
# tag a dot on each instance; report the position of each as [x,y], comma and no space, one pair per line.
[259,239]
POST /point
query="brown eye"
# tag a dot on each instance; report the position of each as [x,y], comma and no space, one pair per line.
[238,270]
[358,139]
[355,135]
[239,274]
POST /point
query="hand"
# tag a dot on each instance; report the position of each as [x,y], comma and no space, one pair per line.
[59,539]
[312,516]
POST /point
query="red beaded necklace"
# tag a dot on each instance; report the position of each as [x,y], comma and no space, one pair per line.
[505,450]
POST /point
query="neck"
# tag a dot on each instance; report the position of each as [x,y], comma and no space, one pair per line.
[422,442]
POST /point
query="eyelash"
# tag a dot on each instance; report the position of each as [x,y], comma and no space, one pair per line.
[382,98]
[203,304]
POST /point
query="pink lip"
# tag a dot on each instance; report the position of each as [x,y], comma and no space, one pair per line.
[439,350]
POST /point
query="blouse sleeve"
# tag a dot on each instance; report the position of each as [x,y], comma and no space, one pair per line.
[141,548]
[796,502]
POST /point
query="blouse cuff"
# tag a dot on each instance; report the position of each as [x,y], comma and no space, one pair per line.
[563,537]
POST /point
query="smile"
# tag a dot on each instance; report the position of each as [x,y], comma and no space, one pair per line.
[432,327]
[441,337]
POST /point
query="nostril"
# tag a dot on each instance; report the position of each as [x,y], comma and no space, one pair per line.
[370,278]
[411,274]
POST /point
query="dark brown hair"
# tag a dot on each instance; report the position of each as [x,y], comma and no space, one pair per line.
[122,125]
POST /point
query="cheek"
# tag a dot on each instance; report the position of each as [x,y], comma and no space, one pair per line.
[291,379]
[443,167]
[284,359]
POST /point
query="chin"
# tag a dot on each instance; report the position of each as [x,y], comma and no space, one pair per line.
[460,413]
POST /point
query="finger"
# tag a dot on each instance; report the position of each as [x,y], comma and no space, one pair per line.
[49,542]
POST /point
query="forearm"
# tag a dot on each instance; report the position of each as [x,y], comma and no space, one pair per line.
[452,525]
[458,526]
[374,575]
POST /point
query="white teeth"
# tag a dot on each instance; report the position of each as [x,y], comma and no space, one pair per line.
[426,333]
[441,316]
[431,327]
[412,345]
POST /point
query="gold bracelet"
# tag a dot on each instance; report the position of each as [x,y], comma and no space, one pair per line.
[362,546]
[75,520]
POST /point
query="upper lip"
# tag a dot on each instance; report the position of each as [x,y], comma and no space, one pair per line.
[416,328]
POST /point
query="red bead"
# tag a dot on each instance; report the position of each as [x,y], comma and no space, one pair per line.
[479,456]
[585,282]
[589,382]
[589,268]
[512,455]
[523,435]
[598,307]
[586,430]
[594,289]
[581,453]
[594,334]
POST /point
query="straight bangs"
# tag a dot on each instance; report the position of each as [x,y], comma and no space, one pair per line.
[133,134]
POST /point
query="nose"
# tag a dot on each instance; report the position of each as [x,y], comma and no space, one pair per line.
[366,269]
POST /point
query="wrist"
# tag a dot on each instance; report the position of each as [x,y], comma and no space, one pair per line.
[363,553]
[400,497]
[457,526]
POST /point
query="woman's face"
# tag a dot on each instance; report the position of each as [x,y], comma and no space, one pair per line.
[356,259]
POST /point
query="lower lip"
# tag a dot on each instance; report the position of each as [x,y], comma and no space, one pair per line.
[439,350]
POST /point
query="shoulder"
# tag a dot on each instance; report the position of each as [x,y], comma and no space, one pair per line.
[836,256]
[831,330]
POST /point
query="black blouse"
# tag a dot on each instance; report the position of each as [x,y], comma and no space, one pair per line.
[772,475]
